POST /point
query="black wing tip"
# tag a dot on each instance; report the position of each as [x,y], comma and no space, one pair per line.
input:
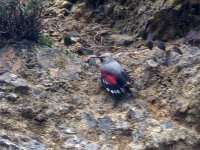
[115,91]
[120,88]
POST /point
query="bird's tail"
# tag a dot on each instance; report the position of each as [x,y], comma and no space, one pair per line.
[128,90]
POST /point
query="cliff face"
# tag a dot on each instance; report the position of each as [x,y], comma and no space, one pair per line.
[49,97]
[164,20]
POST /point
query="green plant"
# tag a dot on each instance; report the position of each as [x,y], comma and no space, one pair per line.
[45,40]
[68,52]
[67,40]
[20,20]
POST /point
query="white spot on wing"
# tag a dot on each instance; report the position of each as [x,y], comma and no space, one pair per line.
[104,81]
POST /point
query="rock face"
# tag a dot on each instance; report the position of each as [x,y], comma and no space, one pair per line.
[19,84]
[62,109]
[49,97]
[8,141]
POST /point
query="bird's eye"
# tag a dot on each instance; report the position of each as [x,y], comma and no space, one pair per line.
[101,59]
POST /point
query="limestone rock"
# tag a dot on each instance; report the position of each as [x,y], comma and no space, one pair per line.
[8,141]
[74,143]
[12,97]
[89,120]
[134,114]
[19,83]
[106,124]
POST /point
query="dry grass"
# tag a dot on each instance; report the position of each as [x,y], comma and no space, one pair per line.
[20,20]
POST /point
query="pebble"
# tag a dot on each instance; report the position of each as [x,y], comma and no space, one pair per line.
[157,129]
[41,118]
[166,125]
[92,146]
[70,131]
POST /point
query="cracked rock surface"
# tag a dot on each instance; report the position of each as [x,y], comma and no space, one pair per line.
[49,97]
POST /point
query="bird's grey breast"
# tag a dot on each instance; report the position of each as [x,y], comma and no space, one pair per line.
[113,67]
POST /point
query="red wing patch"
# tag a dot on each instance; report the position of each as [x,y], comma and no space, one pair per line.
[115,85]
[110,79]
[110,83]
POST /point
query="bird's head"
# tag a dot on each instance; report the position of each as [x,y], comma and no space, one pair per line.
[104,58]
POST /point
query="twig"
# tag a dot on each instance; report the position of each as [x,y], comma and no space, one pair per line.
[95,37]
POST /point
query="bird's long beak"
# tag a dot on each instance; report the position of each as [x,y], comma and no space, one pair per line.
[92,60]
[95,57]
[99,57]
